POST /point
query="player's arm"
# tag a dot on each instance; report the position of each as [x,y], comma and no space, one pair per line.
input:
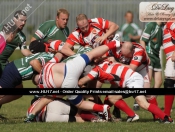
[111,28]
[146,35]
[68,46]
[41,31]
[67,49]
[136,37]
[83,81]
[24,50]
[36,65]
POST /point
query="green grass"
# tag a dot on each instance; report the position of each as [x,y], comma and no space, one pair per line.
[13,114]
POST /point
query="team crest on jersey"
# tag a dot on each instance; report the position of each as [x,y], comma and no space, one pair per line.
[135,58]
[154,39]
[94,31]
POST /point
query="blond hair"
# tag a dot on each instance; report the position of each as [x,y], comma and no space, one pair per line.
[81,17]
[64,11]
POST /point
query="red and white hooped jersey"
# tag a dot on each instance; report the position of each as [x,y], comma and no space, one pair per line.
[139,56]
[56,45]
[40,115]
[46,75]
[168,35]
[122,72]
[97,27]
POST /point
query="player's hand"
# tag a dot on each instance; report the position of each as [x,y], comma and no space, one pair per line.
[130,36]
[110,37]
[100,39]
[173,57]
[52,50]
[111,59]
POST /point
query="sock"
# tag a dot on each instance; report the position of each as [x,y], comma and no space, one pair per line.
[124,107]
[153,101]
[111,44]
[168,104]
[98,108]
[99,100]
[157,111]
[106,101]
[87,116]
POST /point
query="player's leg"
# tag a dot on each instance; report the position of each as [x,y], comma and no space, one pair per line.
[157,79]
[9,79]
[168,99]
[8,98]
[78,101]
[152,98]
[61,111]
[101,50]
[38,107]
[141,100]
[117,101]
[143,70]
[150,73]
[75,67]
[169,82]
[157,73]
[116,111]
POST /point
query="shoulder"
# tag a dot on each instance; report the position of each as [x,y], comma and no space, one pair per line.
[49,23]
[151,24]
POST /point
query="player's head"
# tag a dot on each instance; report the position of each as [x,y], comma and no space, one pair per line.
[37,46]
[127,49]
[62,18]
[20,18]
[9,31]
[82,23]
[129,16]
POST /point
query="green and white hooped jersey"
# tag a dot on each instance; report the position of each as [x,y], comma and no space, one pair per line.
[127,29]
[153,36]
[80,51]
[24,67]
[48,31]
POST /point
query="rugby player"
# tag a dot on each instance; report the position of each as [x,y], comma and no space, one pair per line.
[53,29]
[151,40]
[19,19]
[169,49]
[6,36]
[61,110]
[134,56]
[128,79]
[130,31]
[92,32]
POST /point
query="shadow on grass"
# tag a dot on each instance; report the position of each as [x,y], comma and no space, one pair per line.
[15,120]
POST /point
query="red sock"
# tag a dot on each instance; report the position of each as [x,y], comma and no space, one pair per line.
[98,108]
[157,111]
[168,103]
[87,116]
[124,107]
[111,44]
[106,101]
[153,101]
